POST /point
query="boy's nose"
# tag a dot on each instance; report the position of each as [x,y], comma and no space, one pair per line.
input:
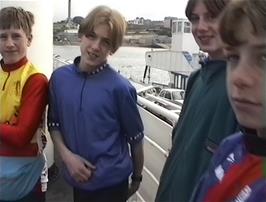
[202,25]
[9,42]
[96,44]
[241,75]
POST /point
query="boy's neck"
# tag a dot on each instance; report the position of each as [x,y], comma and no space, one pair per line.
[261,133]
[217,55]
[255,143]
[16,65]
[89,69]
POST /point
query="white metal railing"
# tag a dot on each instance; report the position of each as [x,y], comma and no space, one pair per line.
[58,61]
[171,116]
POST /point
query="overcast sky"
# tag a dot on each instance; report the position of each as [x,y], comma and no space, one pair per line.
[149,9]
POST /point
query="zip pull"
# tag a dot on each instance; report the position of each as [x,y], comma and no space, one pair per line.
[4,86]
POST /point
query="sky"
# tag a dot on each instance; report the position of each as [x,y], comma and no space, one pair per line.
[148,9]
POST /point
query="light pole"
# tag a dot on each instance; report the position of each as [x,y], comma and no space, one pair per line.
[69,12]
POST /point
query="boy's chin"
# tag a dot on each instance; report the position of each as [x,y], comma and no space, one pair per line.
[250,123]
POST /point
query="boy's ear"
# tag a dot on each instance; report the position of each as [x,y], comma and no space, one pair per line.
[29,40]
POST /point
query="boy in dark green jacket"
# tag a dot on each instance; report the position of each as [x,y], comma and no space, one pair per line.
[206,117]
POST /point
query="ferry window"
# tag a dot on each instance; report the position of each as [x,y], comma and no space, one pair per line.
[179,26]
[178,95]
[187,27]
[174,27]
[162,93]
[168,95]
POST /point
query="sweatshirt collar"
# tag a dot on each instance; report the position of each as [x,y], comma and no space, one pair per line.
[14,66]
[254,144]
[96,71]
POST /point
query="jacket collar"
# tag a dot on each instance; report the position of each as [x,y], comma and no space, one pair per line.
[14,66]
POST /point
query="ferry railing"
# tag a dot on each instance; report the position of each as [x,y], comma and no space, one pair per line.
[157,142]
[168,114]
[165,103]
[58,61]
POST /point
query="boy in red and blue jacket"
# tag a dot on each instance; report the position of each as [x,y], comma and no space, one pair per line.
[238,170]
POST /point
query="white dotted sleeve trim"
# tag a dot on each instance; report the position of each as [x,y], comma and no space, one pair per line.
[136,138]
[53,125]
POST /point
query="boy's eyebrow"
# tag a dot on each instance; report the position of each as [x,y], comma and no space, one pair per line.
[260,46]
[229,48]
[107,39]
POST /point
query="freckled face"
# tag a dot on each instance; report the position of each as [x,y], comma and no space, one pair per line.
[13,45]
[205,30]
[95,47]
[246,79]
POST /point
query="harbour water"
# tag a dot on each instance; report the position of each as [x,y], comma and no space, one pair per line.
[130,61]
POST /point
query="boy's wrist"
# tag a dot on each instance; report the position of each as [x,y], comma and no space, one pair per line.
[136,178]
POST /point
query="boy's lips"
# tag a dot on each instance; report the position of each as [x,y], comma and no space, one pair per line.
[92,55]
[204,38]
[11,52]
[244,103]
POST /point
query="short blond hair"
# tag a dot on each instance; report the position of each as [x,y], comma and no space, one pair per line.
[107,16]
[237,11]
[17,18]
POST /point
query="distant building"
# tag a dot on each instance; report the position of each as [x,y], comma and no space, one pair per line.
[130,22]
[147,22]
[167,23]
[139,21]
[157,23]
[71,31]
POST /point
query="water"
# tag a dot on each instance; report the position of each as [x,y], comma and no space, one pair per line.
[130,61]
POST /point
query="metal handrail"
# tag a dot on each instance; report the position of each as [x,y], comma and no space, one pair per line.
[173,117]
